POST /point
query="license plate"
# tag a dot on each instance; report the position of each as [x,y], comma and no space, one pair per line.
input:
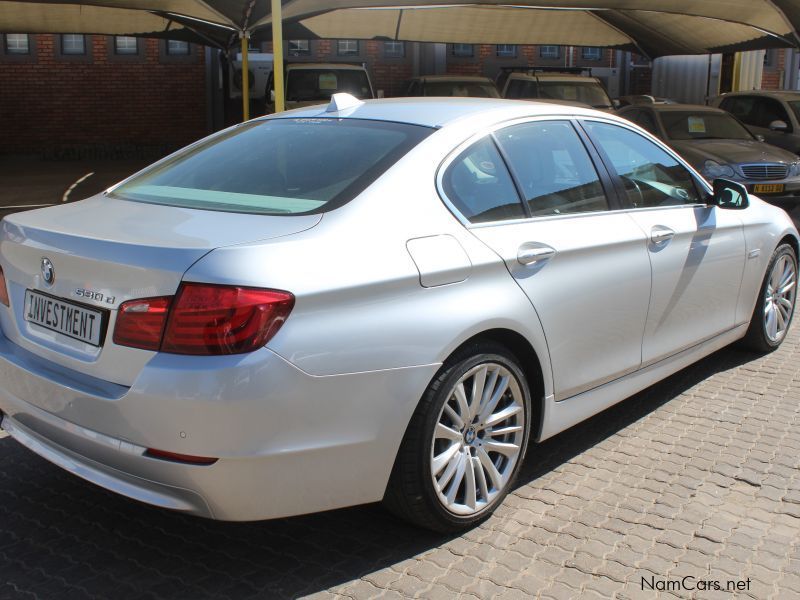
[68,318]
[767,188]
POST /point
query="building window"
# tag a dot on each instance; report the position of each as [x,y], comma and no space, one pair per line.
[177,48]
[126,45]
[769,58]
[550,52]
[299,48]
[591,53]
[506,50]
[463,50]
[73,44]
[17,43]
[394,49]
[347,48]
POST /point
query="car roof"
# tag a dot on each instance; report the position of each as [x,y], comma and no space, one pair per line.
[447,78]
[784,94]
[440,112]
[338,66]
[552,76]
[676,108]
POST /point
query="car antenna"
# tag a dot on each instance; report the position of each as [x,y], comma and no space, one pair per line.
[343,101]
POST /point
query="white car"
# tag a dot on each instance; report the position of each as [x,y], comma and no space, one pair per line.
[380,300]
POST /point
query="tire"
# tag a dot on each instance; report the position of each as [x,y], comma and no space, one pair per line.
[774,310]
[430,499]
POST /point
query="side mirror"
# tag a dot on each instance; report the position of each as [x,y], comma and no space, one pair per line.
[760,137]
[616,103]
[729,194]
[779,126]
[272,95]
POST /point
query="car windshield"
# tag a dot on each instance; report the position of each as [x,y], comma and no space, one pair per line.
[277,166]
[472,89]
[303,85]
[688,125]
[586,92]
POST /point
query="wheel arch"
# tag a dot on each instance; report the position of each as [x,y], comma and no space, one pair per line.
[529,362]
[792,240]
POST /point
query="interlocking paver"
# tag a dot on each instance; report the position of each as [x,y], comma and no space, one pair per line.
[698,475]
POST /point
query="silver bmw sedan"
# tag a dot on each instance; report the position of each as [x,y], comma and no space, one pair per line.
[380,300]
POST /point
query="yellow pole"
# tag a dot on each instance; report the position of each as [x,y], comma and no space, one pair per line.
[737,72]
[245,78]
[277,54]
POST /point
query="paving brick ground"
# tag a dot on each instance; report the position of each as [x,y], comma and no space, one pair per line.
[696,477]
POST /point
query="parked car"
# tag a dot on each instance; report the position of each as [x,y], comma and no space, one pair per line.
[311,83]
[771,114]
[452,85]
[379,300]
[568,87]
[718,145]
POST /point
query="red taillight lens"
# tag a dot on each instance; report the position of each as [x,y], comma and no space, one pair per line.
[219,319]
[3,289]
[140,323]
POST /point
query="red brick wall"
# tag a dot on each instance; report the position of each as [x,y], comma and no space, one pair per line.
[772,76]
[49,103]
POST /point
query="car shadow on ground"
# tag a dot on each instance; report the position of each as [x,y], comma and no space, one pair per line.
[60,537]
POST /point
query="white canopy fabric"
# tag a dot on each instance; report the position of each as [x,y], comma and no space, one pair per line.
[654,27]
[651,33]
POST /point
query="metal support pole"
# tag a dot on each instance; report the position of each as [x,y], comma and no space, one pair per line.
[245,37]
[277,54]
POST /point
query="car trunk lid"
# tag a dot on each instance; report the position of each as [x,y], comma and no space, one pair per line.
[105,251]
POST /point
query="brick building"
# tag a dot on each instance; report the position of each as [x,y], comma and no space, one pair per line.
[76,95]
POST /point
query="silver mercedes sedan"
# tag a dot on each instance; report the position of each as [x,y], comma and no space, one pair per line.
[380,300]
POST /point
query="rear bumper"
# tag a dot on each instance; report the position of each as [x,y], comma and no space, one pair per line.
[288,443]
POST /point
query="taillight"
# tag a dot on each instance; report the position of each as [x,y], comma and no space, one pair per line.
[204,319]
[140,323]
[182,458]
[3,289]
[221,319]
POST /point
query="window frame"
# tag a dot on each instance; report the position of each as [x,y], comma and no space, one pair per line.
[547,57]
[61,40]
[9,52]
[401,54]
[298,51]
[348,53]
[504,54]
[609,188]
[586,49]
[170,53]
[458,54]
[700,183]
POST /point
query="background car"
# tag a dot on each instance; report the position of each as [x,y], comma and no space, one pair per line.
[643,99]
[572,87]
[771,114]
[311,83]
[718,145]
[366,301]
[452,85]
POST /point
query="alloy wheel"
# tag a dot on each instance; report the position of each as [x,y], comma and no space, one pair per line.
[478,438]
[779,298]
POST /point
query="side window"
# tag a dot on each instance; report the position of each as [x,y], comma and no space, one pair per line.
[769,110]
[741,107]
[479,185]
[553,168]
[650,175]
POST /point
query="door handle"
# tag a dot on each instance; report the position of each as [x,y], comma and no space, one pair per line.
[660,234]
[529,254]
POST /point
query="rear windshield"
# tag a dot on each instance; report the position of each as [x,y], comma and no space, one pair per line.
[471,89]
[277,166]
[588,92]
[304,85]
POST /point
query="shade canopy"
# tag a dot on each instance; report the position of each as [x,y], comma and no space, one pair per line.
[651,33]
[653,27]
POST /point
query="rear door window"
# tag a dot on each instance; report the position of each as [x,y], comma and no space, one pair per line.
[553,168]
[479,185]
